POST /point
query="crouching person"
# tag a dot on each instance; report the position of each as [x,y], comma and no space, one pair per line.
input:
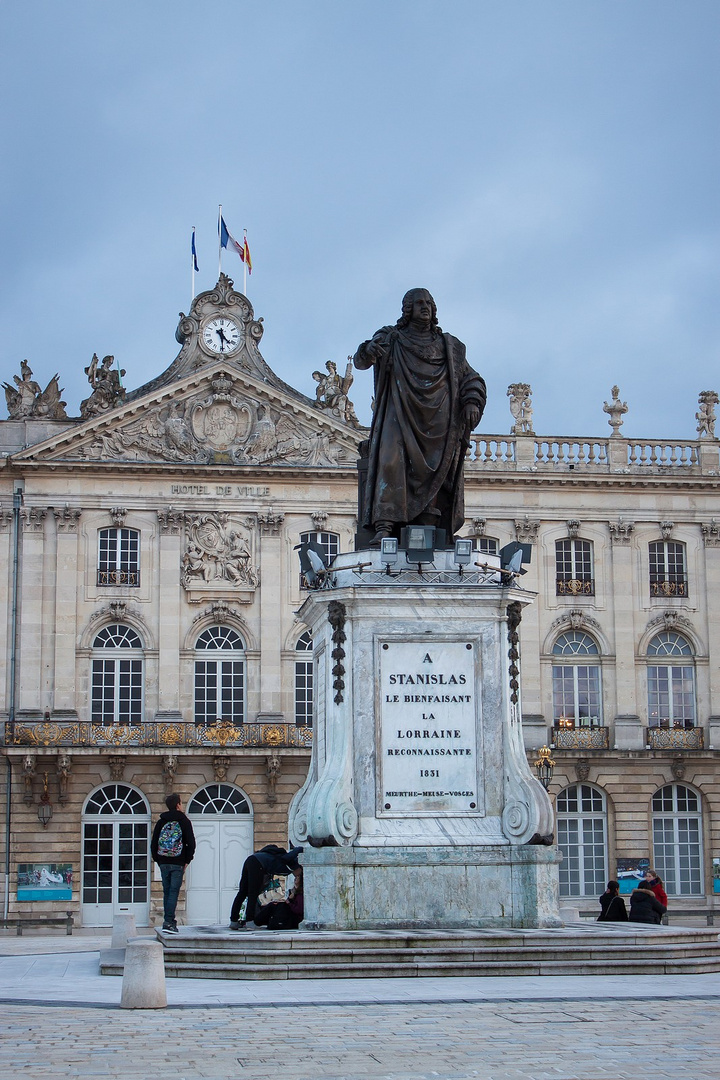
[257,868]
[284,914]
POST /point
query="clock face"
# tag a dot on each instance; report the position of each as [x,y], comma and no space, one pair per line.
[221,336]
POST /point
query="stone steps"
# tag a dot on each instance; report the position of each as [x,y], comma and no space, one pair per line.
[214,953]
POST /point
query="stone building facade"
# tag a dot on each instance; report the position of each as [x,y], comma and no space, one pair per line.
[150,588]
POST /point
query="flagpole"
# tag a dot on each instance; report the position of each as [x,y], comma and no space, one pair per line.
[192,260]
[219,241]
[245,265]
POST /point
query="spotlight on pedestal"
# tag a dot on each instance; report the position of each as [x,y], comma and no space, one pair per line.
[388,552]
[544,766]
[463,553]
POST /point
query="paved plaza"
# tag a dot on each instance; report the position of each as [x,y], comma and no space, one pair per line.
[62,1019]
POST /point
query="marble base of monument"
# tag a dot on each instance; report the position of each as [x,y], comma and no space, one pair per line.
[420,809]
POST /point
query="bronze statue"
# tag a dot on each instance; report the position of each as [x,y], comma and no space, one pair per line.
[428,400]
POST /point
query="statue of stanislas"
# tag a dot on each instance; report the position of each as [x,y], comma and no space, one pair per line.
[428,400]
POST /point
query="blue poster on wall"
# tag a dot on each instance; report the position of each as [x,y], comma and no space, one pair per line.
[716,875]
[44,881]
[629,872]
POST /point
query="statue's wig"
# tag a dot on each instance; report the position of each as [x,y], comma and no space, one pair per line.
[407,304]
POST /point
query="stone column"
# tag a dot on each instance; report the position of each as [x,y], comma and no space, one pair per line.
[62,685]
[6,538]
[271,607]
[628,732]
[711,585]
[169,599]
[31,614]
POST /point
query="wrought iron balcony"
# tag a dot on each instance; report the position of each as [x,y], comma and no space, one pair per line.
[675,738]
[578,586]
[160,733]
[118,577]
[587,738]
[669,586]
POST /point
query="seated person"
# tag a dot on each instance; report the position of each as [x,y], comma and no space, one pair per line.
[612,904]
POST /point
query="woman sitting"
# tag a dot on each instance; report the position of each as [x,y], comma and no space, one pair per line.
[612,904]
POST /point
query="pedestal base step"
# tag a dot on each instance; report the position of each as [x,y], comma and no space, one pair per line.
[213,952]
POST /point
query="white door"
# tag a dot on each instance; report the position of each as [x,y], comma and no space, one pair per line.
[115,856]
[223,825]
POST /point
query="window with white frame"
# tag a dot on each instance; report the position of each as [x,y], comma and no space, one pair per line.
[329,542]
[304,681]
[117,676]
[582,839]
[677,839]
[574,568]
[577,692]
[671,682]
[219,676]
[487,545]
[668,571]
[118,557]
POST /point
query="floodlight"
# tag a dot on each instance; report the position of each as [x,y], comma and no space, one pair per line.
[388,551]
[463,552]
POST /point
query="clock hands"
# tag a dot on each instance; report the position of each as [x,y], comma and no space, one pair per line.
[223,340]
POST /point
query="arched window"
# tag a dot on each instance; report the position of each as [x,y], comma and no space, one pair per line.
[304,681]
[577,695]
[329,542]
[219,676]
[118,557]
[582,838]
[218,799]
[671,682]
[574,568]
[668,573]
[677,839]
[117,676]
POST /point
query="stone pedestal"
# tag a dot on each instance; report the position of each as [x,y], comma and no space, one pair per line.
[143,984]
[420,809]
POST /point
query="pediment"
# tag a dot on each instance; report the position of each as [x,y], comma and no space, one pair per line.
[220,416]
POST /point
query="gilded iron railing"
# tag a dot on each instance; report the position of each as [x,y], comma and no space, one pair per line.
[581,739]
[675,739]
[157,734]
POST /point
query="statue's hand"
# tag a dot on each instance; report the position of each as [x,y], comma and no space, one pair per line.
[471,416]
[374,350]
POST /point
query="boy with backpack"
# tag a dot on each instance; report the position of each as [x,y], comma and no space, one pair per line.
[172,848]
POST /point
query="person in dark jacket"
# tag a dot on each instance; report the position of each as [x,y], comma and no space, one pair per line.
[284,914]
[257,867]
[644,905]
[172,848]
[612,904]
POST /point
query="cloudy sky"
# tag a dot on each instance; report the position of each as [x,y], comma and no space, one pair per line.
[547,168]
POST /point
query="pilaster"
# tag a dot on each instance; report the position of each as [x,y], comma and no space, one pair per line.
[169,596]
[67,562]
[271,607]
[31,615]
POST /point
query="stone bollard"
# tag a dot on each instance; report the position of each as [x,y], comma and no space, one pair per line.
[143,984]
[123,928]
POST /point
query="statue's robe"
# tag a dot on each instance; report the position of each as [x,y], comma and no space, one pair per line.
[418,436]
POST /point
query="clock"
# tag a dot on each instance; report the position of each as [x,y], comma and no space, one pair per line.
[221,336]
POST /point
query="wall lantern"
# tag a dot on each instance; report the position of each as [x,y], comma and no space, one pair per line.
[45,810]
[544,766]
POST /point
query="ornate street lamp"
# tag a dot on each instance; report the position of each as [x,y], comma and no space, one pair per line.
[45,810]
[544,766]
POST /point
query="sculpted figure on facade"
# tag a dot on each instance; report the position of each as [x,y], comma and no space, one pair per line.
[107,390]
[521,409]
[428,400]
[332,392]
[217,553]
[705,415]
[27,401]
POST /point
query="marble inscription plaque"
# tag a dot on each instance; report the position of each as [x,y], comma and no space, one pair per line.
[427,735]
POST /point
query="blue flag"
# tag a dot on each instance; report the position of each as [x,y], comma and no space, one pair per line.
[194,253]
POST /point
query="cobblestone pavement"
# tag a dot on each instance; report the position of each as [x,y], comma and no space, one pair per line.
[548,1040]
